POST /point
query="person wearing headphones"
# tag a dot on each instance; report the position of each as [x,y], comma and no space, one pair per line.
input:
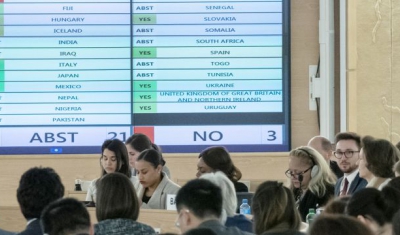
[311,180]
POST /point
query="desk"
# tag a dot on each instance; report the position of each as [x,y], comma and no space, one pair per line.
[12,219]
[78,195]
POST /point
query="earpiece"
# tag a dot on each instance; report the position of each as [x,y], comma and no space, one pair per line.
[315,168]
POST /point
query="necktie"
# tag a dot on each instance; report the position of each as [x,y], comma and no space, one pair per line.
[345,186]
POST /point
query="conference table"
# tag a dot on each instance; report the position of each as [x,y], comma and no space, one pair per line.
[11,219]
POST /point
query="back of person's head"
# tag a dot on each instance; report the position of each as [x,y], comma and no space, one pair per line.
[201,197]
[392,199]
[229,203]
[219,159]
[322,145]
[369,203]
[396,223]
[337,205]
[121,155]
[37,188]
[321,174]
[139,142]
[380,155]
[65,216]
[395,183]
[151,156]
[116,198]
[273,204]
[338,224]
[348,136]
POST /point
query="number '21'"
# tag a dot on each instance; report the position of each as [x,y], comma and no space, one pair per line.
[115,134]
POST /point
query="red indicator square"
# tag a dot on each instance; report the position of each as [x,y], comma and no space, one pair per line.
[147,130]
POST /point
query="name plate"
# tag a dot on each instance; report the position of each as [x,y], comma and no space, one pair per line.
[171,203]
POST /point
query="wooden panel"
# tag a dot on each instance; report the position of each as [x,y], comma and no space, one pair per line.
[11,219]
[78,195]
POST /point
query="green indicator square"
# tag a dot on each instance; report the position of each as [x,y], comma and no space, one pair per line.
[2,9]
[1,20]
[145,52]
[1,30]
[145,19]
[145,86]
[142,97]
[145,107]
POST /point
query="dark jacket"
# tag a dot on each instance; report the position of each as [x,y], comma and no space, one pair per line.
[240,187]
[335,169]
[357,184]
[310,200]
[4,232]
[241,222]
[289,232]
[122,227]
[220,229]
[32,229]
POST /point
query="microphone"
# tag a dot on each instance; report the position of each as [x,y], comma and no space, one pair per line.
[300,177]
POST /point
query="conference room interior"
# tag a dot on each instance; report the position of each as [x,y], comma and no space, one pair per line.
[365,101]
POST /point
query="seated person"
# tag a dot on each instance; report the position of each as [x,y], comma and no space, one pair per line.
[274,210]
[138,142]
[379,157]
[154,184]
[312,182]
[218,159]
[114,158]
[199,205]
[37,188]
[229,204]
[117,207]
[375,208]
[65,216]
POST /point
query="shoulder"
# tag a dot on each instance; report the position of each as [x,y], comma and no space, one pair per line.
[168,185]
[240,187]
[241,222]
[172,187]
[3,232]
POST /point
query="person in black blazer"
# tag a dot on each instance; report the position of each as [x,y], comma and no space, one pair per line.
[37,188]
[311,180]
[217,158]
[4,232]
[348,145]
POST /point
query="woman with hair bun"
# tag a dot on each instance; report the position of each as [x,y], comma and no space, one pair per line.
[154,184]
[217,158]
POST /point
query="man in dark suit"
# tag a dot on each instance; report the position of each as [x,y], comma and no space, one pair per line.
[324,147]
[348,145]
[37,188]
[3,232]
[199,205]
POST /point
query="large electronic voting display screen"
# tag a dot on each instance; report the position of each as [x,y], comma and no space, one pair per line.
[189,74]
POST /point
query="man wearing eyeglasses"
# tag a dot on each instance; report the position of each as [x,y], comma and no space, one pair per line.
[348,145]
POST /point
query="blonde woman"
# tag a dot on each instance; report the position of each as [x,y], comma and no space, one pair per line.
[311,179]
